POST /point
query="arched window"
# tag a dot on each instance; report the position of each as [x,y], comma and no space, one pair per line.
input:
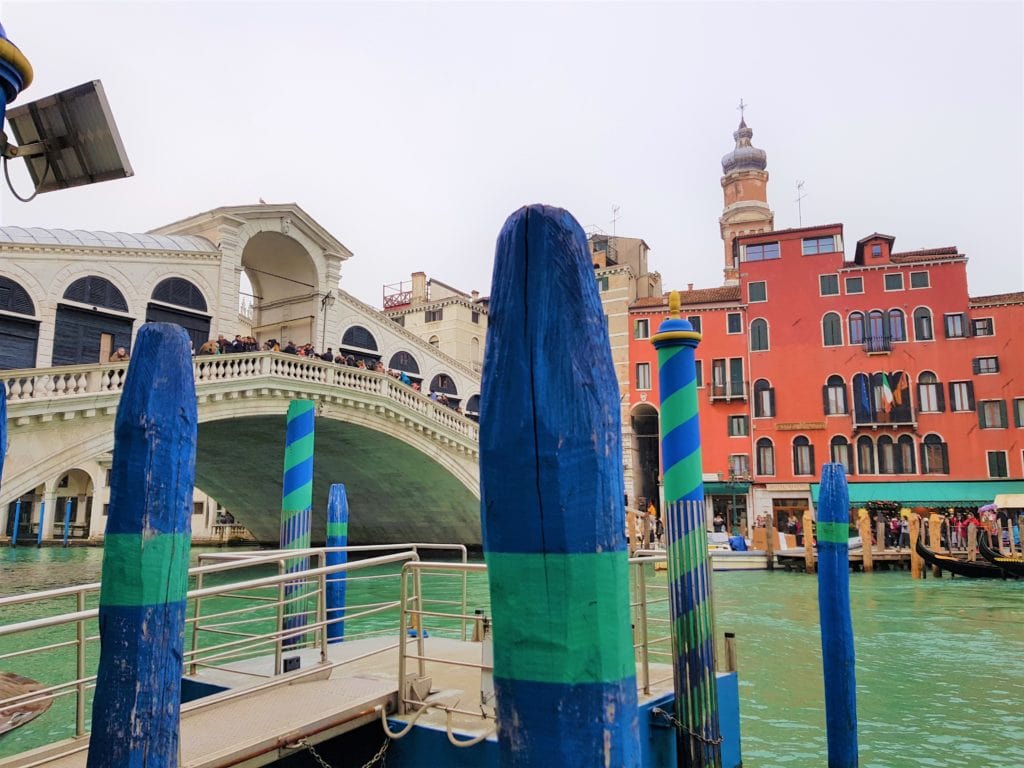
[934,456]
[897,325]
[863,413]
[856,327]
[923,324]
[834,396]
[929,393]
[19,336]
[473,407]
[180,292]
[886,456]
[865,456]
[803,456]
[98,292]
[877,336]
[360,338]
[764,398]
[474,350]
[840,449]
[443,384]
[905,455]
[759,335]
[765,457]
[403,361]
[14,298]
[832,330]
[434,341]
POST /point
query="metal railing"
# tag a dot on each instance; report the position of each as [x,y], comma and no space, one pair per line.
[874,344]
[728,390]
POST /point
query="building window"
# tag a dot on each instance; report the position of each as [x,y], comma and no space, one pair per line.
[985,365]
[856,327]
[474,317]
[762,252]
[855,285]
[828,285]
[929,393]
[757,292]
[876,251]
[813,245]
[886,456]
[738,426]
[894,281]
[764,399]
[765,457]
[840,449]
[602,283]
[961,396]
[739,465]
[919,280]
[997,464]
[863,413]
[992,414]
[642,329]
[956,325]
[834,396]
[694,321]
[400,320]
[877,337]
[643,375]
[759,336]
[803,456]
[832,330]
[198,508]
[698,372]
[433,315]
[434,341]
[934,456]
[897,325]
[733,323]
[1018,412]
[982,326]
[906,455]
[865,456]
[923,324]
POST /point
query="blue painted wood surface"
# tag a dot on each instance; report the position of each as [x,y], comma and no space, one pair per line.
[145,559]
[836,625]
[3,430]
[337,536]
[67,521]
[552,505]
[42,523]
[17,522]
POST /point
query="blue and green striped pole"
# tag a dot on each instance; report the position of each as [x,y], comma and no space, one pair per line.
[297,506]
[837,652]
[145,558]
[337,536]
[698,742]
[551,506]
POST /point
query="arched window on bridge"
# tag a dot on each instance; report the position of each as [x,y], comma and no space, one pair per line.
[443,386]
[473,408]
[91,331]
[19,336]
[176,300]
[406,363]
[358,342]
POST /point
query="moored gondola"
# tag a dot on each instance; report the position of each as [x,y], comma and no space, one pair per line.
[976,570]
[1011,565]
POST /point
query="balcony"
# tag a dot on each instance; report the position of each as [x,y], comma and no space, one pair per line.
[728,390]
[877,345]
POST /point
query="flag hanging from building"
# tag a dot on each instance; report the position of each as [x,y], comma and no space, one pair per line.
[887,391]
[900,393]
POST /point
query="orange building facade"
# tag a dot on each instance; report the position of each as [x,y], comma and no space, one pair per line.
[879,360]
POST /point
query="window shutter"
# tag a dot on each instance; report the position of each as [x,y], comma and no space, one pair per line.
[965,323]
[824,399]
[996,360]
[924,458]
[981,416]
[771,401]
[810,456]
[940,398]
[1017,412]
[970,394]
[945,459]
[1002,413]
[975,365]
[897,458]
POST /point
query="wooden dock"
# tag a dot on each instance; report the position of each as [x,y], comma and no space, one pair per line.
[887,559]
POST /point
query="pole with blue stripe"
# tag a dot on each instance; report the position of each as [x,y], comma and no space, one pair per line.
[3,428]
[42,522]
[698,740]
[145,558]
[17,522]
[297,507]
[837,651]
[67,521]
[551,506]
[337,536]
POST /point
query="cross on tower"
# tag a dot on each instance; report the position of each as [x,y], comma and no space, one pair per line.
[741,107]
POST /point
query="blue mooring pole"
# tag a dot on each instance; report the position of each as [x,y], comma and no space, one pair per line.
[551,506]
[67,521]
[145,558]
[42,522]
[297,508]
[17,522]
[3,427]
[337,536]
[834,608]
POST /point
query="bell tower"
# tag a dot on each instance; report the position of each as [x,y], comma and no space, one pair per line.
[745,187]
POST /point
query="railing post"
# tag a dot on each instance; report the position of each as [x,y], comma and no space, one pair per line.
[641,622]
[81,636]
[402,639]
[197,617]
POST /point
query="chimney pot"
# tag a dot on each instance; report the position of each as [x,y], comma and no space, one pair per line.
[689,286]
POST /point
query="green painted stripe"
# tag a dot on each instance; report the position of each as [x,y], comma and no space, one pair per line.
[144,570]
[549,627]
[299,451]
[683,477]
[667,353]
[689,551]
[679,407]
[835,533]
[337,529]
[296,501]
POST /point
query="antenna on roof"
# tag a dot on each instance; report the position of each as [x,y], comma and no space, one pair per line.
[615,217]
[800,195]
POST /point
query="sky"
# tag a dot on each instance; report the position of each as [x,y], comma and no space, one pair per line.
[410,131]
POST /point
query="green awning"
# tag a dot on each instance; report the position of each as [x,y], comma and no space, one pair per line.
[726,489]
[939,493]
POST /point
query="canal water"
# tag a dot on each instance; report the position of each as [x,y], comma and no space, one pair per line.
[940,678]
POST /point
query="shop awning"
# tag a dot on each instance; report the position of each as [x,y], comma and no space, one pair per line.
[1010,500]
[948,493]
[726,489]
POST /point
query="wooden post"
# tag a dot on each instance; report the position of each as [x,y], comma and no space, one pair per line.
[916,563]
[935,539]
[1009,534]
[972,542]
[880,536]
[297,507]
[1020,532]
[834,609]
[864,528]
[808,526]
[551,506]
[337,536]
[772,537]
[145,557]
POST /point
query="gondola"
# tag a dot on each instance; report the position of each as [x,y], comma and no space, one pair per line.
[14,715]
[976,570]
[1011,565]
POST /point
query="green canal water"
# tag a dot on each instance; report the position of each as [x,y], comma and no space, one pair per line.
[940,663]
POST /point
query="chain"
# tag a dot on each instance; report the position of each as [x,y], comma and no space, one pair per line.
[377,758]
[682,727]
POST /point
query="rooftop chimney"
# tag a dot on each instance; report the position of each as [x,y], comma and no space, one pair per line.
[689,286]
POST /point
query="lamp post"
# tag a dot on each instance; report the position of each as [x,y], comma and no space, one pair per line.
[326,302]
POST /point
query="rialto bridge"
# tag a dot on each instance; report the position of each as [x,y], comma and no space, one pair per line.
[70,298]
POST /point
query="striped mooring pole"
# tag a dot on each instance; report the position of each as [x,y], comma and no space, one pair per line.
[145,558]
[551,506]
[698,738]
[297,508]
[337,536]
[836,625]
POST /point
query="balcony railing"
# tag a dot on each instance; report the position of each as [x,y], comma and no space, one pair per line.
[875,344]
[728,390]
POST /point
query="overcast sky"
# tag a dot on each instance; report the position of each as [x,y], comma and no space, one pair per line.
[411,131]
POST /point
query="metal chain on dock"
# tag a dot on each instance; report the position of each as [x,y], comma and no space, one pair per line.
[377,758]
[676,723]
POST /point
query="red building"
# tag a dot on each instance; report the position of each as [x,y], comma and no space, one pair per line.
[879,360]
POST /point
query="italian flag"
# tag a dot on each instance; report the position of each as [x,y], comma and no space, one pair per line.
[886,391]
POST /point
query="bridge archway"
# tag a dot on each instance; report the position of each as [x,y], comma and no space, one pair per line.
[645,434]
[75,486]
[285,286]
[19,330]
